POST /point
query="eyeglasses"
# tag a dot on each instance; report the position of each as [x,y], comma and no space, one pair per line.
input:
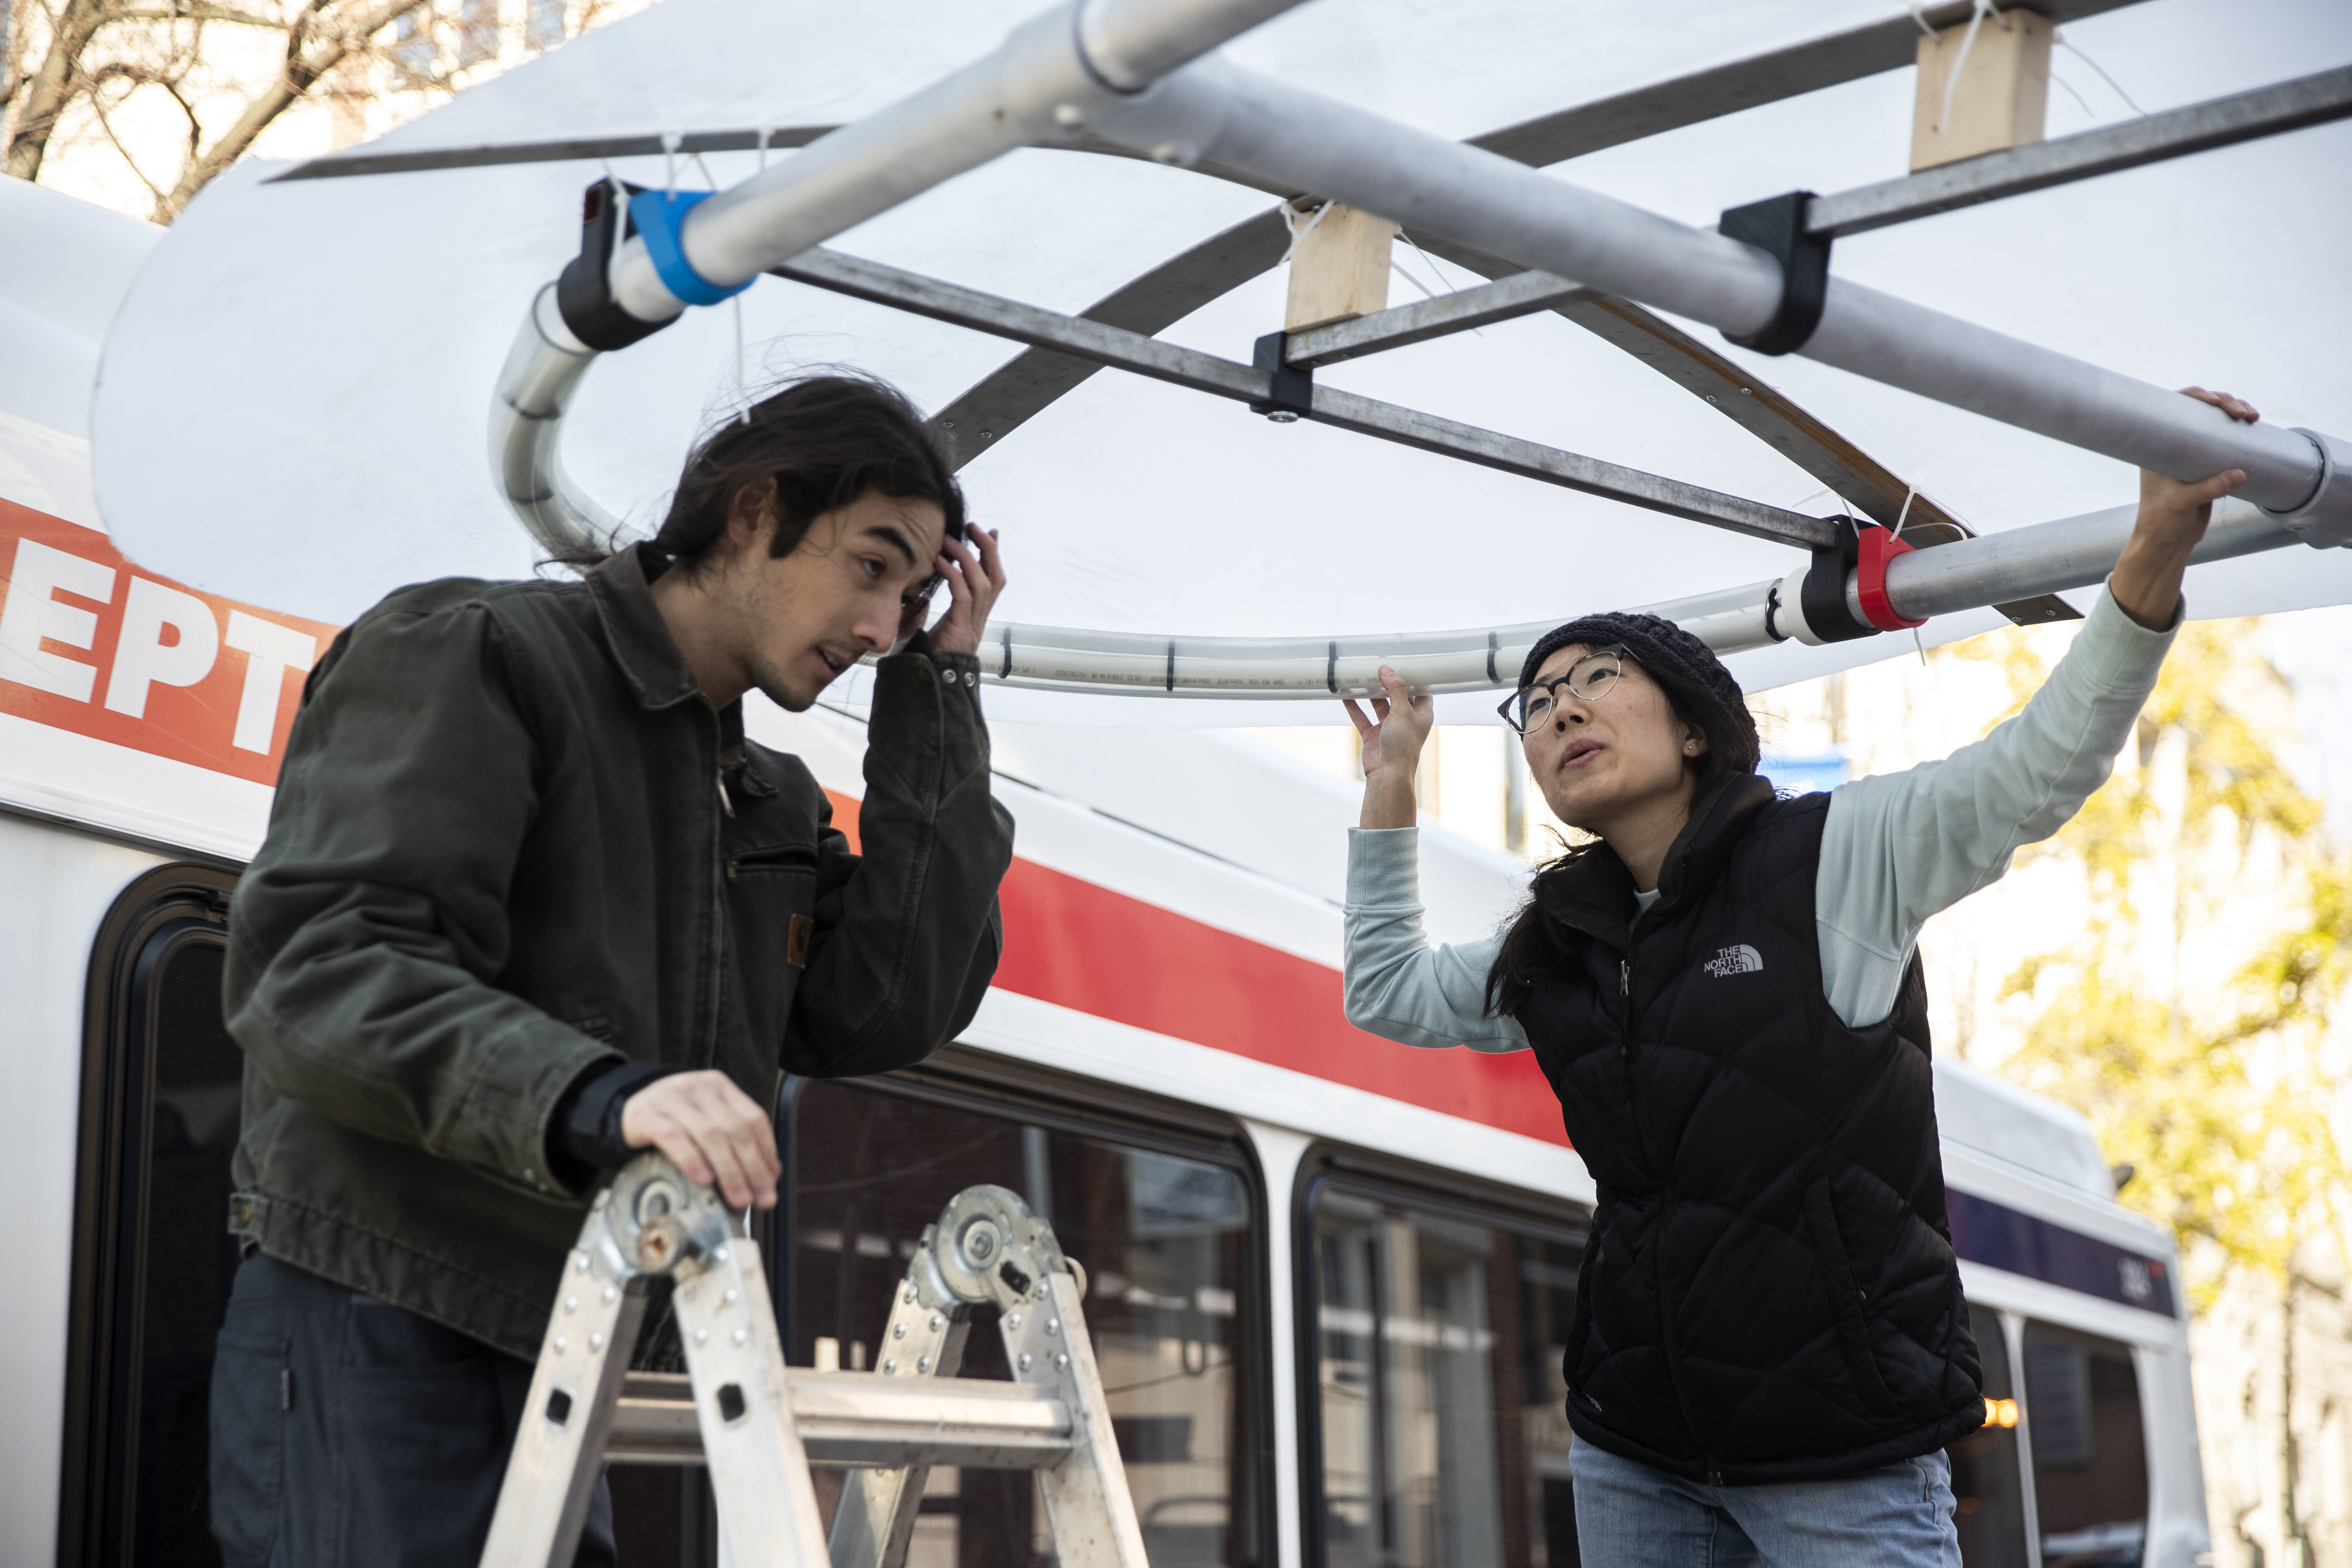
[1588,680]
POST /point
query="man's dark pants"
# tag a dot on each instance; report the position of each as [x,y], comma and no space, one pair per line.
[348,1433]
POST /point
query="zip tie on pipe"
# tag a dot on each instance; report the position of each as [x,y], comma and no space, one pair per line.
[1290,220]
[659,216]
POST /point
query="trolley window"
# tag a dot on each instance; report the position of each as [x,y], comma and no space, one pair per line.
[1437,1339]
[152,1255]
[1169,1234]
[1988,1490]
[2090,1453]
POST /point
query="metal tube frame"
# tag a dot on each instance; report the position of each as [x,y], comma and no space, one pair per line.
[1117,69]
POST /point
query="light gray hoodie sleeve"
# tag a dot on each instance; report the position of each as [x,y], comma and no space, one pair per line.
[1898,847]
[1399,986]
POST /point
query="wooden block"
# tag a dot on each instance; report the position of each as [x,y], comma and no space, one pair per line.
[1997,102]
[1338,270]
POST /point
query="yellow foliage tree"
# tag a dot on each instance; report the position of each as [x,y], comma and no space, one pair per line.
[2215,1088]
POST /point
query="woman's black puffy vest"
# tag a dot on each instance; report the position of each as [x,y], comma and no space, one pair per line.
[1769,1292]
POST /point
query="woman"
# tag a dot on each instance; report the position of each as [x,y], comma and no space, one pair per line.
[1771,1348]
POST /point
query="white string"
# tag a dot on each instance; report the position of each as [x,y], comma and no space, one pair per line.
[1398,267]
[2060,38]
[1977,14]
[671,140]
[765,131]
[2077,97]
[1290,220]
[742,380]
[1909,495]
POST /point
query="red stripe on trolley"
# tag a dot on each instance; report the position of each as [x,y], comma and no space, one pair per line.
[1081,946]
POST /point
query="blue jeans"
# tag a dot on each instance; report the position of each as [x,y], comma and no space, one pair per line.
[1898,1516]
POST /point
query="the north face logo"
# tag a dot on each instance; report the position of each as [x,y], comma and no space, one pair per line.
[1741,960]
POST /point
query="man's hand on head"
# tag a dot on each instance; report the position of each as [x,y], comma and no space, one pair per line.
[973,569]
[712,1130]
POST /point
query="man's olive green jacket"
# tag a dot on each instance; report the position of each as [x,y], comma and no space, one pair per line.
[513,843]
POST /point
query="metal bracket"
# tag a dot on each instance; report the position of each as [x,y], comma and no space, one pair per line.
[1777,227]
[1291,396]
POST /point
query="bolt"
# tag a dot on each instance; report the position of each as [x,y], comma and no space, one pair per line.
[702,1336]
[596,1341]
[922,1364]
[910,1296]
[558,1343]
[889,1366]
[938,1322]
[742,1336]
[1745,393]
[728,1299]
[1710,397]
[572,1303]
[897,1330]
[580,1259]
[1024,1360]
[1061,1363]
[1281,417]
[1013,1320]
[1053,1326]
[719,1256]
[988,434]
[1067,114]
[610,1295]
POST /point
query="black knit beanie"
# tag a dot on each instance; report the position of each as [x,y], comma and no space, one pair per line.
[1687,667]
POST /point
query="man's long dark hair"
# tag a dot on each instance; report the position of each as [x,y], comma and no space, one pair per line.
[1532,949]
[821,443]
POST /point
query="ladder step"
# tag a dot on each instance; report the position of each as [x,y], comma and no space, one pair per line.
[860,1419]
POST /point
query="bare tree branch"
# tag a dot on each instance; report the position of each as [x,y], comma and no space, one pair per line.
[304,66]
[51,88]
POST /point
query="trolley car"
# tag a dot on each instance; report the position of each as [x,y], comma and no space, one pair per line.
[1330,1276]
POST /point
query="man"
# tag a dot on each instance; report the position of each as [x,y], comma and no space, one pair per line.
[530,902]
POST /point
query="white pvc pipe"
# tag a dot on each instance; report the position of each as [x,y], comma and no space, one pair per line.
[2071,552]
[1215,111]
[1044,81]
[543,370]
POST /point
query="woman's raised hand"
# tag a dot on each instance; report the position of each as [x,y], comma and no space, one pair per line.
[1393,734]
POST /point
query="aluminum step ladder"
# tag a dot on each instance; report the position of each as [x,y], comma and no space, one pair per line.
[759,1425]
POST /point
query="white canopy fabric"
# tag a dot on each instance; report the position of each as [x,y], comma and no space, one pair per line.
[293,400]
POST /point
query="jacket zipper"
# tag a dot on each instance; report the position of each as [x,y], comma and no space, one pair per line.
[717,900]
[1666,1220]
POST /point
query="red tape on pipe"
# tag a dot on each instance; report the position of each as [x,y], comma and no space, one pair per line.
[1878,547]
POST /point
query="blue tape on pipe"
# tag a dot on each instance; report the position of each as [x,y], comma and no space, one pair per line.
[659,216]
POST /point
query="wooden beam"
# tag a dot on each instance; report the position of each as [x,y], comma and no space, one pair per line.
[1338,267]
[1983,87]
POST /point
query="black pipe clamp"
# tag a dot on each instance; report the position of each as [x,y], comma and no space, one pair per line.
[583,290]
[1777,227]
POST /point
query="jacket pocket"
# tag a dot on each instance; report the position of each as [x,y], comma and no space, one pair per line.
[252,1376]
[776,857]
[771,908]
[1848,1301]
